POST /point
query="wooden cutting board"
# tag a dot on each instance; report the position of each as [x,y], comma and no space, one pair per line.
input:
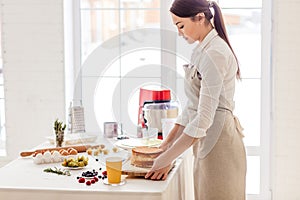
[129,169]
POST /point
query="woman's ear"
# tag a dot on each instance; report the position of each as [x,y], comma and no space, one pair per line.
[199,16]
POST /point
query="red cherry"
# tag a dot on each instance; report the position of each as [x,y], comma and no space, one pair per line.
[104,173]
[88,183]
[93,181]
[96,179]
[81,180]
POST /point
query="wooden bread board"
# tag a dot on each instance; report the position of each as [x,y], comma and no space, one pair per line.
[129,169]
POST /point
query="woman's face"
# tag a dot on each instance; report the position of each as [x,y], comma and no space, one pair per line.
[188,28]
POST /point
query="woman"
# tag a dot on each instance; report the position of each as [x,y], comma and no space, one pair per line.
[207,122]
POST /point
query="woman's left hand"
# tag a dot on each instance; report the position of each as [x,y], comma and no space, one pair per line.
[159,174]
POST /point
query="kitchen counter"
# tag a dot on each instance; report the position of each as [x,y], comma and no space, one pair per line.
[22,179]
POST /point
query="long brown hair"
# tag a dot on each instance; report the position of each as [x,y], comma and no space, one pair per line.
[190,8]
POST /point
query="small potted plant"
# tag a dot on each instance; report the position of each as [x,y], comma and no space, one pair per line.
[59,128]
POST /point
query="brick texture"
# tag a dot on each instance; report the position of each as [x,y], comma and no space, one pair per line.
[33,58]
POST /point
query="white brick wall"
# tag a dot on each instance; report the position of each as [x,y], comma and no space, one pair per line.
[33,55]
[286,72]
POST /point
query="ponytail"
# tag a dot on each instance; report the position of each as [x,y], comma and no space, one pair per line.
[220,28]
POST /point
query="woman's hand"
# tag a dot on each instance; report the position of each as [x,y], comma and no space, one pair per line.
[159,174]
[162,164]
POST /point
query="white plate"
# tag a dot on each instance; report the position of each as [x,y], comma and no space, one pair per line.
[124,154]
[92,177]
[136,142]
[74,168]
[74,138]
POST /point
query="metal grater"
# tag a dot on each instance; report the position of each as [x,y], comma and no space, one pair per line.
[76,119]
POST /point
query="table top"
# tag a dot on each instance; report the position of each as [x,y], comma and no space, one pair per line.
[22,176]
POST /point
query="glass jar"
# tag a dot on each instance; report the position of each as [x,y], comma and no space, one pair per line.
[155,112]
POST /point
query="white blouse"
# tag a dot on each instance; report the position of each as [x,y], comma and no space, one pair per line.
[217,65]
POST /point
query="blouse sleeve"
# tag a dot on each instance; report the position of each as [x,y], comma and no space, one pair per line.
[183,118]
[212,67]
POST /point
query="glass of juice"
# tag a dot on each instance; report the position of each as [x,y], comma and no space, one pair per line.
[114,170]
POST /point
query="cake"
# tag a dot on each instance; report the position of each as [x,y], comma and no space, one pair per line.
[144,156]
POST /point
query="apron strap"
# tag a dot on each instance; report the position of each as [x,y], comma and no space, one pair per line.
[238,125]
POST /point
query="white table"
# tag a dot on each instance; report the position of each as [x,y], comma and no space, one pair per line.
[22,179]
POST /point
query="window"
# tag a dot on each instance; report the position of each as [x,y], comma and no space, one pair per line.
[124,66]
[248,37]
[109,27]
[244,27]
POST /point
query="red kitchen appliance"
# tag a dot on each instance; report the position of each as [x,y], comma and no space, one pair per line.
[151,96]
[154,107]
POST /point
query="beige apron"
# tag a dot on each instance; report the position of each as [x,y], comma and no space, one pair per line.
[220,158]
